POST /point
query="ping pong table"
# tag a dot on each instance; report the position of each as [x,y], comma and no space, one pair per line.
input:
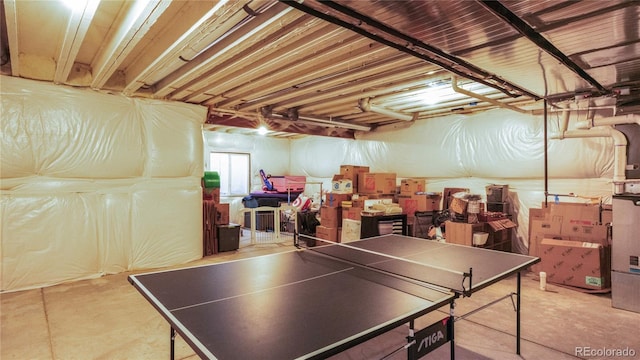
[319,301]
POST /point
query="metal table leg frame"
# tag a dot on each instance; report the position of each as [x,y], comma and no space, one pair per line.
[452,305]
[518,315]
[173,343]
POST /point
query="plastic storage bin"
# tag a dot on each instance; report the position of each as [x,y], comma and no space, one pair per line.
[228,237]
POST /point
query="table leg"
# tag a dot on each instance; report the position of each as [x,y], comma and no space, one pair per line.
[173,343]
[518,316]
[451,328]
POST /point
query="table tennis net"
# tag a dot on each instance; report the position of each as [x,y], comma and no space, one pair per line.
[405,268]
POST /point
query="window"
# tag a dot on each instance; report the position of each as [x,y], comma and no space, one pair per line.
[234,170]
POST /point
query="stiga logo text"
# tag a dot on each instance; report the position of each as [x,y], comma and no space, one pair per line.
[430,340]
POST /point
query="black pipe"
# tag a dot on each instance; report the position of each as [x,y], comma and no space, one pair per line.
[527,31]
[546,156]
[480,78]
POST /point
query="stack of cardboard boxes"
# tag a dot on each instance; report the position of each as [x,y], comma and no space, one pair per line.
[356,192]
[497,225]
[573,242]
[215,216]
[344,185]
[345,204]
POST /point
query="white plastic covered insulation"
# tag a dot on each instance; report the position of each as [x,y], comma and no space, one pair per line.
[94,183]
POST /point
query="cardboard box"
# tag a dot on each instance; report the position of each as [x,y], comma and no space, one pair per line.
[539,230]
[497,193]
[500,234]
[459,206]
[350,230]
[326,233]
[352,172]
[340,185]
[377,183]
[419,202]
[412,186]
[351,213]
[408,205]
[433,202]
[330,216]
[335,200]
[461,233]
[359,202]
[222,214]
[448,193]
[503,224]
[576,263]
[575,213]
[590,233]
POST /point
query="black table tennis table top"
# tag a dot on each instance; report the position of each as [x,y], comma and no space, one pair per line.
[305,304]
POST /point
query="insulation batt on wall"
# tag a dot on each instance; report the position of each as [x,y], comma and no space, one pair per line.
[95,183]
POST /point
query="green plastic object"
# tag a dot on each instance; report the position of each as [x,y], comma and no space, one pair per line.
[211,180]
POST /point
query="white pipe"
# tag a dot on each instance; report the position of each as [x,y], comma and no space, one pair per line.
[322,122]
[620,150]
[459,90]
[366,105]
[564,125]
[301,119]
[614,120]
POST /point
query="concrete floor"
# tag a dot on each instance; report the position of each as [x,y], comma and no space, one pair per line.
[106,318]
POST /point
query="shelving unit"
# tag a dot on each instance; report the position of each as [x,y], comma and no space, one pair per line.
[370,225]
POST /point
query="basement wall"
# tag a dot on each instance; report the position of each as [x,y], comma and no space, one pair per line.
[95,184]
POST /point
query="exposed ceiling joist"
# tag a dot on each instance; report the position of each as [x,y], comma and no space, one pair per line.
[316,61]
[136,21]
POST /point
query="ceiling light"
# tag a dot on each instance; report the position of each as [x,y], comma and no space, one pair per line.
[75,5]
[262,130]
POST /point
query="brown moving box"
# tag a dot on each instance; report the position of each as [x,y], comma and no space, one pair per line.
[500,234]
[326,233]
[352,172]
[222,214]
[448,193]
[408,204]
[412,186]
[461,233]
[576,263]
[335,200]
[352,213]
[459,206]
[566,221]
[330,216]
[377,183]
[341,185]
